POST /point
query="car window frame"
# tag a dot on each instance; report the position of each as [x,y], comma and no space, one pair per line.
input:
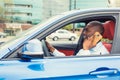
[113,15]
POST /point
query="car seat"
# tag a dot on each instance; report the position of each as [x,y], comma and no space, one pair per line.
[109,27]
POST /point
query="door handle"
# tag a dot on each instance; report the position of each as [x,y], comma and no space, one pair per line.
[104,71]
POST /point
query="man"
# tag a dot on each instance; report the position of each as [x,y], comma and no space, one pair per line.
[92,44]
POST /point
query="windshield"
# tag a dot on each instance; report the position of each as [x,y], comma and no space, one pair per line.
[27,31]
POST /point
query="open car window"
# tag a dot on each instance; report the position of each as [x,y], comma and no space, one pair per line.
[66,38]
[64,43]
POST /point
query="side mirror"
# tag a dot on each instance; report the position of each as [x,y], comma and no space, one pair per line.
[28,56]
[31,50]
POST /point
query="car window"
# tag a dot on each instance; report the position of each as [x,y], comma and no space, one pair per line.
[67,39]
[74,30]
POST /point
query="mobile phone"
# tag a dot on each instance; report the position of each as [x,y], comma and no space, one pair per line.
[96,38]
[98,35]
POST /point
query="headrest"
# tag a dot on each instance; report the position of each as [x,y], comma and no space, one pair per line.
[33,46]
[109,27]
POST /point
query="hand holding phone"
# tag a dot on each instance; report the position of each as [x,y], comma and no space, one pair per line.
[96,38]
[91,42]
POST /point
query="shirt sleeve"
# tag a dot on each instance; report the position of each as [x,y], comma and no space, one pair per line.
[57,53]
[83,52]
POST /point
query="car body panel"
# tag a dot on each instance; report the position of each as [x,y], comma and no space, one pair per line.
[47,68]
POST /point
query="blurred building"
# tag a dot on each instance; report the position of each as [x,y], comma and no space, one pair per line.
[34,11]
[23,11]
[54,7]
[84,4]
[1,11]
[114,3]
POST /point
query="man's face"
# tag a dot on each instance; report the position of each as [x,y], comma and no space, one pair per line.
[89,31]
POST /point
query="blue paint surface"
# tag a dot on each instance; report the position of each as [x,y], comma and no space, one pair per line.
[36,67]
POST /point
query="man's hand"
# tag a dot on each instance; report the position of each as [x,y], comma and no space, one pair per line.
[50,47]
[97,37]
[87,43]
[92,41]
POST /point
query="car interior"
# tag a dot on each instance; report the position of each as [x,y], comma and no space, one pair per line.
[109,25]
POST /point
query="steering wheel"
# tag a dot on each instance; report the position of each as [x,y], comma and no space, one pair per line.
[45,49]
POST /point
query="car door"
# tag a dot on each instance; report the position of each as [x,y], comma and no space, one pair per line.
[62,34]
[72,68]
[84,68]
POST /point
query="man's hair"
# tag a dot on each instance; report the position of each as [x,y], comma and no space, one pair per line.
[98,25]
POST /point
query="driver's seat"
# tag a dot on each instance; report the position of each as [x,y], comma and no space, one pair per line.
[109,27]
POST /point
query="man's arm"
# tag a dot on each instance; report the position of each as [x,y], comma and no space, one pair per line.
[91,46]
[58,53]
[54,51]
[92,41]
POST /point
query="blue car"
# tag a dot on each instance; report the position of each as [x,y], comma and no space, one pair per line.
[37,63]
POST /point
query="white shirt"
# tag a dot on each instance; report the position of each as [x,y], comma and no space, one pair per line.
[98,50]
